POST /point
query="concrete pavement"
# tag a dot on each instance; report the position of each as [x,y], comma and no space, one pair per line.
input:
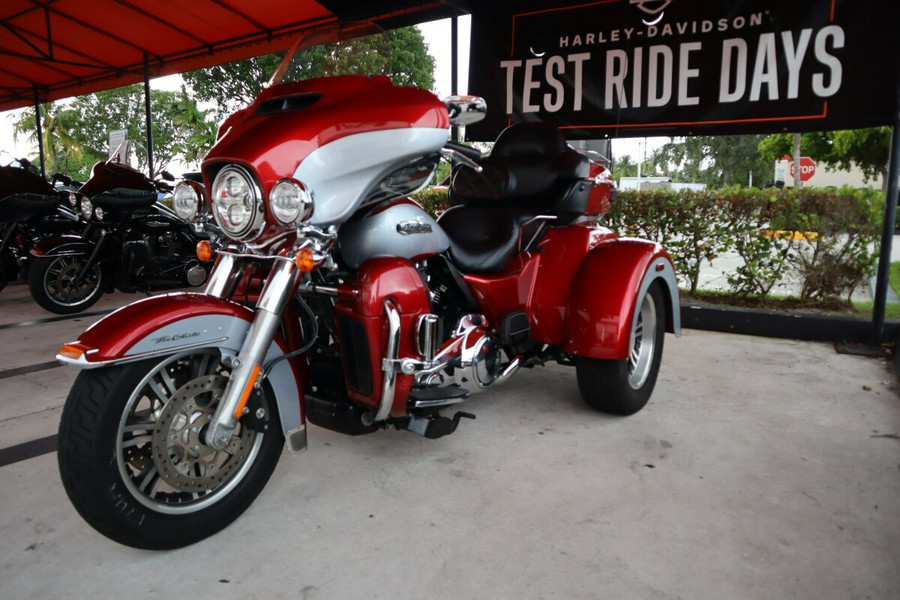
[760,469]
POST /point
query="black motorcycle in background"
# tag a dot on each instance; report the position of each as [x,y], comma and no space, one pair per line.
[31,210]
[131,243]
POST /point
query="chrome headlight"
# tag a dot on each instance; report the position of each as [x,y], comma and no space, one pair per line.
[73,200]
[185,201]
[98,213]
[87,208]
[290,202]
[236,203]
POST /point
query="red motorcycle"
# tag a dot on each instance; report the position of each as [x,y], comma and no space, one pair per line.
[337,300]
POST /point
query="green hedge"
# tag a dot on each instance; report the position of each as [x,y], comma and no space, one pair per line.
[823,238]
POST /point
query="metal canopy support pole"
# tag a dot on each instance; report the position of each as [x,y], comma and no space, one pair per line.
[40,132]
[148,115]
[887,234]
[454,65]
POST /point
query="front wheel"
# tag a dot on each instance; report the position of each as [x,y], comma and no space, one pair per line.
[132,455]
[58,285]
[623,387]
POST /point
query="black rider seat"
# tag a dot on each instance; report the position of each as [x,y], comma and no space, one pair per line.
[23,207]
[531,171]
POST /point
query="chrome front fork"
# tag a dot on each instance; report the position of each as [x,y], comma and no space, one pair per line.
[246,367]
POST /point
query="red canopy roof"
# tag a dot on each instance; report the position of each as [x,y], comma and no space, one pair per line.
[52,49]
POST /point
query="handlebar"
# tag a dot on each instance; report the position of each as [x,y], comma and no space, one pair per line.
[457,153]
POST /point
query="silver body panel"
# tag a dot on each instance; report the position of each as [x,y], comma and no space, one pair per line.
[403,230]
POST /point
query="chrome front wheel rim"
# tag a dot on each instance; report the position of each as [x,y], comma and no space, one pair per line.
[160,452]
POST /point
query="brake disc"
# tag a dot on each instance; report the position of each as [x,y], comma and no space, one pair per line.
[182,458]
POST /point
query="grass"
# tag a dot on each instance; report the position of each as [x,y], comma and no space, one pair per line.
[891,310]
[786,303]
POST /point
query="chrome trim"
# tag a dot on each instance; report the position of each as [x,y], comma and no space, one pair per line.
[427,336]
[279,288]
[393,350]
[257,219]
[221,276]
[83,363]
[439,402]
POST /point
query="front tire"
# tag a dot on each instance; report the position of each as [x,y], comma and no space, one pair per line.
[623,387]
[132,457]
[51,281]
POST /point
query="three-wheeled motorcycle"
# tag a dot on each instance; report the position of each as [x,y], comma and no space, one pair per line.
[337,300]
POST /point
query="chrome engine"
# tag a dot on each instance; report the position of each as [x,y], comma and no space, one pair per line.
[471,359]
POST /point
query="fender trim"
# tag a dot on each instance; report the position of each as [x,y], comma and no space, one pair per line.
[172,323]
[62,245]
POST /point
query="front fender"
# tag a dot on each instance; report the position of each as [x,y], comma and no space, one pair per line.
[170,323]
[608,289]
[63,245]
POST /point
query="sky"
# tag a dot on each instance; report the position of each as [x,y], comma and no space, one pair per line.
[437,35]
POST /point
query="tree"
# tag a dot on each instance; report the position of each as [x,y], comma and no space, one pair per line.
[234,85]
[62,150]
[868,149]
[76,135]
[717,161]
[179,127]
[624,166]
[197,131]
[412,64]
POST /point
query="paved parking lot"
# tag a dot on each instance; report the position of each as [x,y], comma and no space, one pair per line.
[760,469]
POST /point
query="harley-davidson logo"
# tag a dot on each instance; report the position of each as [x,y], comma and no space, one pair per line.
[413,226]
[652,7]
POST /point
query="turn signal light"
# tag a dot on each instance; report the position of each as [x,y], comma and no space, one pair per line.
[73,351]
[305,260]
[204,250]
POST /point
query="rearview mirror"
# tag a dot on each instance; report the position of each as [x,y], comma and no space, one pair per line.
[465,110]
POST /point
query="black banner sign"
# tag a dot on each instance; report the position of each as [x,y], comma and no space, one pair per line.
[620,68]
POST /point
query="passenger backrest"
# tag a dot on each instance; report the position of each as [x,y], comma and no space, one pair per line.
[531,166]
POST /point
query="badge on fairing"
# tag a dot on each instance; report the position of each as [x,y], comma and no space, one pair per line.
[413,226]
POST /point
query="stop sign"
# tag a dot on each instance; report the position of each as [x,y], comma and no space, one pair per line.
[807,168]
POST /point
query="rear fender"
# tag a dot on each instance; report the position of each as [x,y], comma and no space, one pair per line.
[612,282]
[172,323]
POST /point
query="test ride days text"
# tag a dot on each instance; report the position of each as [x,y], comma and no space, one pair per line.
[653,75]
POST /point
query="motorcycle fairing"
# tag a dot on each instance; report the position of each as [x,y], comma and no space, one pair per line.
[170,323]
[603,304]
[358,130]
[346,170]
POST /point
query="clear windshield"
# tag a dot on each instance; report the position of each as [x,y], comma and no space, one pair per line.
[354,49]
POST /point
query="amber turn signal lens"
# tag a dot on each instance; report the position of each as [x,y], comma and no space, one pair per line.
[73,351]
[305,260]
[204,251]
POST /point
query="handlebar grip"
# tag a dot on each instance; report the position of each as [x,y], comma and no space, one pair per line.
[467,151]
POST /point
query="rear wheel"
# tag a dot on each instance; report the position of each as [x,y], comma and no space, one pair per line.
[623,387]
[55,285]
[133,459]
